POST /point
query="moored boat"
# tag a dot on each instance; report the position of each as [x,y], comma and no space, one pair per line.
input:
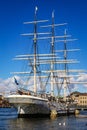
[46,74]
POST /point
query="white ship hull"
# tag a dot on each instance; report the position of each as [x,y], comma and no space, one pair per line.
[29,105]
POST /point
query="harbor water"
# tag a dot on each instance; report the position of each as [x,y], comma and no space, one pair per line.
[10,121]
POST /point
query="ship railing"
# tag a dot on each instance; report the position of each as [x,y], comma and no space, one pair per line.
[9,93]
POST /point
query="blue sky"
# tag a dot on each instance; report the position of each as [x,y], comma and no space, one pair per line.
[14,12]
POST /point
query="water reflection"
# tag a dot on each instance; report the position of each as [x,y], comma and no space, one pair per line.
[10,122]
[62,123]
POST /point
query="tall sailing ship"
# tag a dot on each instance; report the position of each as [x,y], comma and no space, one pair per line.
[48,71]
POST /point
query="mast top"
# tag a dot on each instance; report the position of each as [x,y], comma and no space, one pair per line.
[36,9]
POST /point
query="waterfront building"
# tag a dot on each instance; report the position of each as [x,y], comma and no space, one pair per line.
[81,99]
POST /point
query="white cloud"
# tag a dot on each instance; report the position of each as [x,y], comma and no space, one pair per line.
[83,78]
[9,85]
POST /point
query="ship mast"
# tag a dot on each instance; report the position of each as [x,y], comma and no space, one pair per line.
[35,44]
[52,62]
[65,67]
[65,72]
[34,62]
[52,51]
[33,57]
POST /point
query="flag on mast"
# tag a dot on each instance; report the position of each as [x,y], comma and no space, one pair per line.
[16,82]
[36,8]
[53,14]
